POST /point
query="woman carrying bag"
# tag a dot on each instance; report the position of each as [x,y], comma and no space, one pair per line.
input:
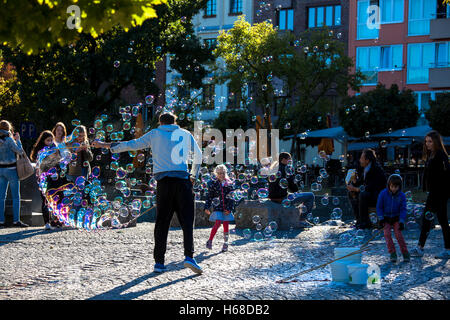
[9,149]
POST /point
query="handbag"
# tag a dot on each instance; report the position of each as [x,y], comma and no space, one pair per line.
[24,166]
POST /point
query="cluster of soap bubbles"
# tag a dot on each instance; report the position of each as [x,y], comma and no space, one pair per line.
[355,237]
[261,233]
[86,203]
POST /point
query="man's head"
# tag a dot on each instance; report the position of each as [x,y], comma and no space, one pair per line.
[284,158]
[367,157]
[167,118]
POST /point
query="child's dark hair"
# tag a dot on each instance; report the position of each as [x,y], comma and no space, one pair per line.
[395,180]
[40,144]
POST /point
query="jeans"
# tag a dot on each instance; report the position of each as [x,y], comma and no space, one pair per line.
[9,177]
[174,195]
[437,205]
[307,198]
[398,235]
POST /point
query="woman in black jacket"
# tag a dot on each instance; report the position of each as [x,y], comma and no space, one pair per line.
[436,183]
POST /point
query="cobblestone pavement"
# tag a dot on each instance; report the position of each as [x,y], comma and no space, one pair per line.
[118,264]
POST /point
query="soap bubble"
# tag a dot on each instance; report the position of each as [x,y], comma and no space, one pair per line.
[116,64]
[324,201]
[335,201]
[258,236]
[429,215]
[247,233]
[149,99]
[256,219]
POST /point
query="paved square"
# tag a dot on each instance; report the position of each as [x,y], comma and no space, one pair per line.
[118,264]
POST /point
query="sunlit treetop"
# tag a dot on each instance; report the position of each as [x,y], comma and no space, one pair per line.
[37,24]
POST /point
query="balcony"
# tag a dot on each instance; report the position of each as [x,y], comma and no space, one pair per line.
[439,78]
[440,29]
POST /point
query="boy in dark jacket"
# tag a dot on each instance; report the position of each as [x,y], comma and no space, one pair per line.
[391,211]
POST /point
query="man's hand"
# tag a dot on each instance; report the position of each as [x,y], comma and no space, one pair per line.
[99,144]
[207,212]
[16,136]
[352,188]
[227,211]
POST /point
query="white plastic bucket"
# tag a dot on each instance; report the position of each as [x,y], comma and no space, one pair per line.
[339,271]
[357,273]
[340,252]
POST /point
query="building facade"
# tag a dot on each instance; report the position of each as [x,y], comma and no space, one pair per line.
[406,42]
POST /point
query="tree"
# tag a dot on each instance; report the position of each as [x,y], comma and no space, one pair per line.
[40,24]
[280,66]
[231,119]
[439,114]
[8,97]
[378,110]
[80,81]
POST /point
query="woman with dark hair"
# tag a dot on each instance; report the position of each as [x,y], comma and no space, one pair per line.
[82,154]
[436,183]
[44,142]
[10,147]
[60,133]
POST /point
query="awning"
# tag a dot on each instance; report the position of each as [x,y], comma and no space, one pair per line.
[362,145]
[337,133]
[413,132]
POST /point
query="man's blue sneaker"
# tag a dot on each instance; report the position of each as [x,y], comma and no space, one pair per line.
[159,268]
[192,264]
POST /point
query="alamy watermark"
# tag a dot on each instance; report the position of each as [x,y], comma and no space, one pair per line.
[74,21]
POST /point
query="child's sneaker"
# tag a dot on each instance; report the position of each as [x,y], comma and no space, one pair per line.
[225,247]
[192,264]
[444,254]
[159,268]
[416,252]
[48,226]
[209,244]
[406,257]
[393,257]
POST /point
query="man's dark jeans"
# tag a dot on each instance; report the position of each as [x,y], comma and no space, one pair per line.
[174,195]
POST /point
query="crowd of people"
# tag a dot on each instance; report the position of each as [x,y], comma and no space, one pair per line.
[175,194]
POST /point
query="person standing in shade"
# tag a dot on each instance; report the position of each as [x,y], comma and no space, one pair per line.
[44,142]
[170,149]
[79,146]
[60,133]
[373,180]
[10,147]
[436,179]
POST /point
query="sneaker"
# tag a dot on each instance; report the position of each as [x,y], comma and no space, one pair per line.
[444,254]
[209,244]
[225,247]
[406,257]
[159,268]
[192,264]
[48,226]
[416,252]
[393,257]
[20,224]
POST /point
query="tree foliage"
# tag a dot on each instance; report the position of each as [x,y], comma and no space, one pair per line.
[378,110]
[39,24]
[439,114]
[231,119]
[297,71]
[82,80]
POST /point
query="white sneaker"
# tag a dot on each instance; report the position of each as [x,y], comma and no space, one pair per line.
[444,254]
[48,227]
[416,252]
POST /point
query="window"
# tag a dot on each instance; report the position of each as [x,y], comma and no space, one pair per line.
[211,43]
[421,57]
[235,6]
[367,23]
[324,16]
[371,60]
[391,57]
[233,99]
[443,10]
[286,19]
[420,14]
[442,52]
[208,96]
[391,11]
[210,10]
[367,61]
